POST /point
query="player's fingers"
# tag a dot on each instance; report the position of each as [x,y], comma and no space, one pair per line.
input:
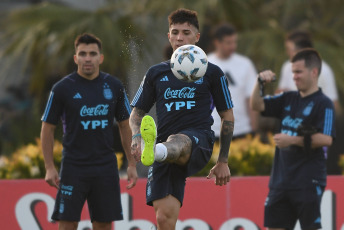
[53,183]
[57,183]
[132,184]
[211,174]
[219,181]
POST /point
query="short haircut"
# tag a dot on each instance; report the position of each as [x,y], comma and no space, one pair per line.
[182,15]
[301,39]
[310,56]
[86,38]
[223,30]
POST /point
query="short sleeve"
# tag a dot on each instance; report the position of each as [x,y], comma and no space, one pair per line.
[123,109]
[145,98]
[326,120]
[220,91]
[54,107]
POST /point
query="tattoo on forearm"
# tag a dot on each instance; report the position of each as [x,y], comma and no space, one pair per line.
[135,120]
[225,140]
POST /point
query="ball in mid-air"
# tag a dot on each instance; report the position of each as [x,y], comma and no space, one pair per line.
[189,63]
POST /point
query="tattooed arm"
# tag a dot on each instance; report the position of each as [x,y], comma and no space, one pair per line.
[226,135]
[221,169]
[135,124]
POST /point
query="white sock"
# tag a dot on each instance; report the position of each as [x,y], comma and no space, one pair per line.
[160,152]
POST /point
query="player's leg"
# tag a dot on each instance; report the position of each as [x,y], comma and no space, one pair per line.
[68,225]
[104,198]
[279,213]
[70,198]
[307,203]
[177,148]
[166,211]
[101,225]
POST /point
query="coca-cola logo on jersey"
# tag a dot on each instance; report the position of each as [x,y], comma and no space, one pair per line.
[186,92]
[99,110]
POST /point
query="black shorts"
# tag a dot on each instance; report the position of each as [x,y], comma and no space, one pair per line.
[99,185]
[284,207]
[169,179]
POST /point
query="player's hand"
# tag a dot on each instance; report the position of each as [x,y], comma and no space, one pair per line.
[136,148]
[282,140]
[267,76]
[132,176]
[221,172]
[52,177]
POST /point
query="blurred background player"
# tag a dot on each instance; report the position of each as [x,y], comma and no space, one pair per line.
[294,42]
[87,101]
[241,75]
[184,136]
[298,176]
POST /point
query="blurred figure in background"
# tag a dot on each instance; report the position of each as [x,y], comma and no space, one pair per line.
[298,176]
[294,42]
[241,75]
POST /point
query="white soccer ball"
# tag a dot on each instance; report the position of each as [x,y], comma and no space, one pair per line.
[189,63]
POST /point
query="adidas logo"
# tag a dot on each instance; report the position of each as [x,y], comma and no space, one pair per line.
[77,96]
[287,108]
[164,78]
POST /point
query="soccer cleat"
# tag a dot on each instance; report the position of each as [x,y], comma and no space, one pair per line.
[148,134]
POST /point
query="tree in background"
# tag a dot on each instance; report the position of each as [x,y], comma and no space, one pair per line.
[39,40]
[41,36]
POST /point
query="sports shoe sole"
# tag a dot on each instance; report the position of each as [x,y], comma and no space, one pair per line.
[148,134]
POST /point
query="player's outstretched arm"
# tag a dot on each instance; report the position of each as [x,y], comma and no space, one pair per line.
[125,133]
[221,170]
[256,100]
[135,124]
[47,142]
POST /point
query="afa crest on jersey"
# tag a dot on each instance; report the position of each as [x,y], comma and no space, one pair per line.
[107,92]
[308,109]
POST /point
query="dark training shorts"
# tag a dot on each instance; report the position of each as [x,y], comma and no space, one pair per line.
[99,185]
[169,179]
[284,207]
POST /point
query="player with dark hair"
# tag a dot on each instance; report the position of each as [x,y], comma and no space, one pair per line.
[298,176]
[184,136]
[295,41]
[87,101]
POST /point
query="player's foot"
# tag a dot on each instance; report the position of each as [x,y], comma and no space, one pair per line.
[148,134]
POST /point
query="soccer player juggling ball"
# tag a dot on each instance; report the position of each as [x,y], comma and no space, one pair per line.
[298,177]
[184,136]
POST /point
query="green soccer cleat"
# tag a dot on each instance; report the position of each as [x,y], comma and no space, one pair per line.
[148,134]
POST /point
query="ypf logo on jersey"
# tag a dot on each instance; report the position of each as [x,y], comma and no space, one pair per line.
[184,94]
[99,110]
[107,92]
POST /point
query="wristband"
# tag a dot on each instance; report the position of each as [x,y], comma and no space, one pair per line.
[136,135]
